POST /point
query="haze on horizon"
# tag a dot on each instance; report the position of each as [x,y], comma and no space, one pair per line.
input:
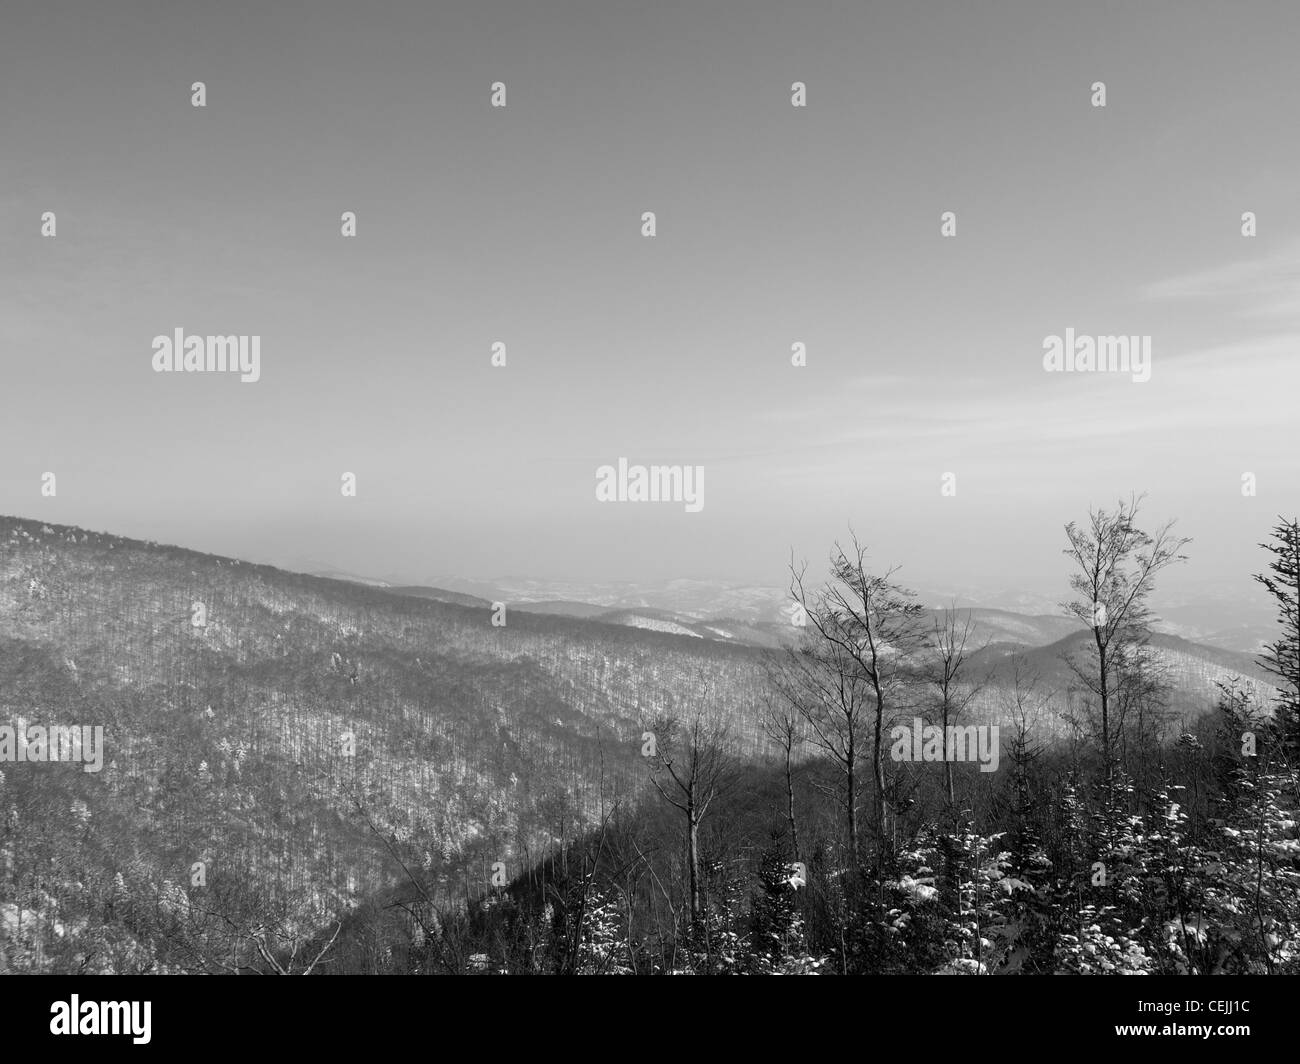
[775,225]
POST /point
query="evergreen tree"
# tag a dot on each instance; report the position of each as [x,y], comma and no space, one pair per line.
[1282,656]
[776,927]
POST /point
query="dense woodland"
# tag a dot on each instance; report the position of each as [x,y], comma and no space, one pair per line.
[305,775]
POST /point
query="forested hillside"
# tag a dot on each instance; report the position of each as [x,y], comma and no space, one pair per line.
[244,742]
[301,774]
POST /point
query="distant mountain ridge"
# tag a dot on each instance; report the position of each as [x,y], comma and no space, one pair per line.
[1238,620]
[998,639]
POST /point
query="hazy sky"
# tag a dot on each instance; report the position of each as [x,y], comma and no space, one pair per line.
[776,224]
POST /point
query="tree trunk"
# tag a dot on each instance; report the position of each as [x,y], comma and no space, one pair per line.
[789,803]
[878,765]
[851,798]
[947,761]
[1105,708]
[693,860]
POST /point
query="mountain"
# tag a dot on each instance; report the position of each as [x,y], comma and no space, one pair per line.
[438,594]
[990,627]
[1192,668]
[1191,671]
[287,736]
[351,578]
[686,599]
[281,730]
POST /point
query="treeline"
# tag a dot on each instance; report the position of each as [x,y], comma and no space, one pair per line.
[1141,843]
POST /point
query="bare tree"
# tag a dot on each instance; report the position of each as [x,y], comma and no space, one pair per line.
[945,674]
[690,767]
[1142,710]
[781,726]
[1115,566]
[1024,705]
[850,671]
[233,927]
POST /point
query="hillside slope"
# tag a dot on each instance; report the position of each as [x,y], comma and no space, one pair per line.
[303,729]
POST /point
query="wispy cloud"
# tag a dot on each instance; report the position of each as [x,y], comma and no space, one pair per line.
[1267,287]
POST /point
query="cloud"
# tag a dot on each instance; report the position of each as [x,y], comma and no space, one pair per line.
[1267,287]
[1237,396]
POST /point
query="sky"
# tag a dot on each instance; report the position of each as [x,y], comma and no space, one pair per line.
[775,225]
